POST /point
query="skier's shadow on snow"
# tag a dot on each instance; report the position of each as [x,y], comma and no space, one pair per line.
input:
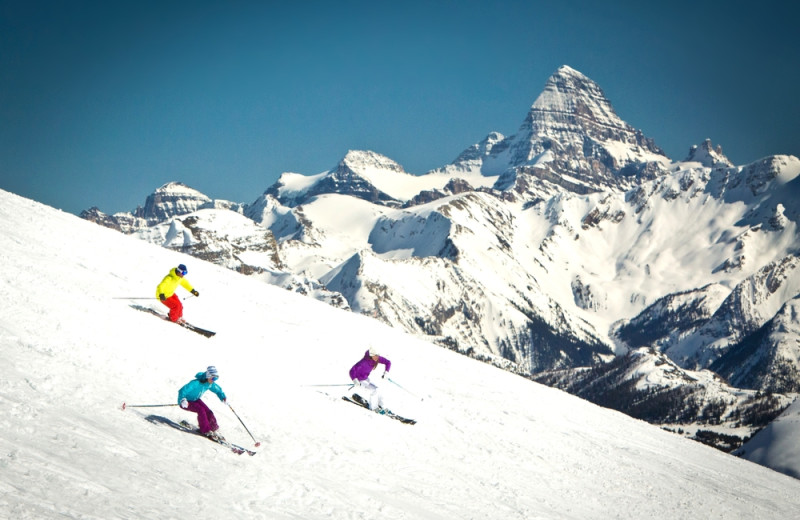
[158,419]
[145,309]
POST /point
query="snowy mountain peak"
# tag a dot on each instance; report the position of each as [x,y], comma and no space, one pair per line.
[479,150]
[568,91]
[708,156]
[361,160]
[179,189]
[360,174]
[572,107]
[566,70]
[173,198]
[572,138]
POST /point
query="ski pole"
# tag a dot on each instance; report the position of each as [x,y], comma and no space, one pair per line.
[405,390]
[124,405]
[347,384]
[245,427]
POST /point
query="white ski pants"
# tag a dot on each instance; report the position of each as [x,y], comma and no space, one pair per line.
[370,392]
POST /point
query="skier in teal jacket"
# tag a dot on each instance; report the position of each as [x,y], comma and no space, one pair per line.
[189,399]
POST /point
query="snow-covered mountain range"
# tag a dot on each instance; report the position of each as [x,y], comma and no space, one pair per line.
[565,245]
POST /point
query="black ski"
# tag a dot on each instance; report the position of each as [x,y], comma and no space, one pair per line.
[357,400]
[185,325]
[195,328]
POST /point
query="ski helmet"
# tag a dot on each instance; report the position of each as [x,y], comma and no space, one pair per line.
[211,373]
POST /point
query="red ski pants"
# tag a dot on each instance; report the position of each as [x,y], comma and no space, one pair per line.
[175,307]
[205,417]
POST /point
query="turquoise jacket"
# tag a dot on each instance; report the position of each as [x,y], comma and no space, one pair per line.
[194,389]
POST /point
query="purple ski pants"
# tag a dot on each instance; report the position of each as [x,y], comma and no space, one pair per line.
[205,417]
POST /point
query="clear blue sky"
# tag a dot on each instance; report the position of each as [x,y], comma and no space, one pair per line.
[102,102]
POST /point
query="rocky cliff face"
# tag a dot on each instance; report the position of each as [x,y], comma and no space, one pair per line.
[768,358]
[123,222]
[170,200]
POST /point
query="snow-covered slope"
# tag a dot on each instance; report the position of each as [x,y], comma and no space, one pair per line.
[488,444]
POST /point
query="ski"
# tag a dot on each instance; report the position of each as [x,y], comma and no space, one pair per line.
[357,400]
[195,328]
[185,325]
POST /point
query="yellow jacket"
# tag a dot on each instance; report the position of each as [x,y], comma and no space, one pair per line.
[170,283]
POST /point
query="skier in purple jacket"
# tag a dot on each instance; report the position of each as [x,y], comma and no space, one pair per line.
[362,386]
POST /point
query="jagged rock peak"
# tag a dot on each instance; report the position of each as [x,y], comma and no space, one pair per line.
[568,91]
[479,150]
[358,160]
[572,106]
[708,156]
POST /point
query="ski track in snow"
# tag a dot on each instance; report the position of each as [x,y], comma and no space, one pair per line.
[487,444]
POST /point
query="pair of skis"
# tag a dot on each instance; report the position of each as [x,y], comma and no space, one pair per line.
[239,450]
[357,400]
[184,426]
[184,324]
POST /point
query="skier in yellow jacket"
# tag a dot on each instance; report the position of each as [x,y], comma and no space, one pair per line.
[166,292]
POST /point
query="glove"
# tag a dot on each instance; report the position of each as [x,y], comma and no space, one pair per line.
[383,376]
[356,383]
[195,292]
[225,401]
[162,297]
[184,404]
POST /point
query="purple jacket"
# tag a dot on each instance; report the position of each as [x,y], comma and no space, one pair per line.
[364,368]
